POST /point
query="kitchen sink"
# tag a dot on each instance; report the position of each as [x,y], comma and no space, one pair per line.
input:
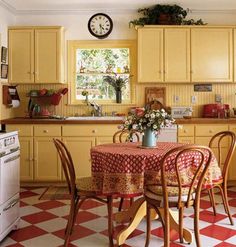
[95,118]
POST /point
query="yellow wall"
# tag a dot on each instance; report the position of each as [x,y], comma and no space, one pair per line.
[184,91]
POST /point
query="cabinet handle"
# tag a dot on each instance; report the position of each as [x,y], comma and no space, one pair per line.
[29,72]
[45,131]
[94,131]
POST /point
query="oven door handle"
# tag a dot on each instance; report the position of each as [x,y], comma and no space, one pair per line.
[11,205]
[12,158]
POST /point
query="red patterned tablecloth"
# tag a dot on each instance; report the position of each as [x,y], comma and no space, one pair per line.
[124,168]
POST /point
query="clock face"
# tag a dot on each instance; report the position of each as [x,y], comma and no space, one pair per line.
[100,25]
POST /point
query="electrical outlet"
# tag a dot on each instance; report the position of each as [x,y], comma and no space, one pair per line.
[194,99]
[176,98]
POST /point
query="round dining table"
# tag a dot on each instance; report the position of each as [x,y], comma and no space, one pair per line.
[123,169]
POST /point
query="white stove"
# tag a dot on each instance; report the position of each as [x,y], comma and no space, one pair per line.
[9,182]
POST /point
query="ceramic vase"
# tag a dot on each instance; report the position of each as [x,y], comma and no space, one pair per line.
[149,138]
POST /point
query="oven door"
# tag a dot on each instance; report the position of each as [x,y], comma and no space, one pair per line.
[9,176]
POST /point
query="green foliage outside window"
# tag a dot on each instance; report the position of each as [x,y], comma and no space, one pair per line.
[91,67]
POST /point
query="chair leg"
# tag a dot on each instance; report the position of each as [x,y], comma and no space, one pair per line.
[223,192]
[181,231]
[121,203]
[212,199]
[196,223]
[148,222]
[70,223]
[110,220]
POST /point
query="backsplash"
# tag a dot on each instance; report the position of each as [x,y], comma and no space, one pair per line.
[184,91]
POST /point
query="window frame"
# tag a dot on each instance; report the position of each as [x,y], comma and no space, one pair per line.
[73,45]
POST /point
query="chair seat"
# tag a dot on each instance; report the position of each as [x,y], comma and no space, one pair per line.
[155,192]
[85,184]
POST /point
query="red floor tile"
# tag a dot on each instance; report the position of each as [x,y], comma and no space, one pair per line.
[23,204]
[224,244]
[38,217]
[49,205]
[15,245]
[78,232]
[27,233]
[208,216]
[27,193]
[218,232]
[88,204]
[84,216]
[232,203]
[159,233]
[205,204]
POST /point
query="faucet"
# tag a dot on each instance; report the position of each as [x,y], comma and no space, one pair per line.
[97,109]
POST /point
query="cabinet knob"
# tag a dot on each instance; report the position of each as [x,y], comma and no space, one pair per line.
[185,131]
[159,71]
[94,131]
[45,131]
[191,72]
[210,131]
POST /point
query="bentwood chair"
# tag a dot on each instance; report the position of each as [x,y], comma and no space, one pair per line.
[217,142]
[183,191]
[122,136]
[126,136]
[80,190]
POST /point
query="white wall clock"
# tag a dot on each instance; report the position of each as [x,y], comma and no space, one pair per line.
[100,25]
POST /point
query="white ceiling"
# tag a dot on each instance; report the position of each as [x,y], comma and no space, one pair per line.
[24,6]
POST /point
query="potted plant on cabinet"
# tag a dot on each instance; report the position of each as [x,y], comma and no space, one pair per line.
[164,14]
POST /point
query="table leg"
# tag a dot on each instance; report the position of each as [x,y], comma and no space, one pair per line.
[136,213]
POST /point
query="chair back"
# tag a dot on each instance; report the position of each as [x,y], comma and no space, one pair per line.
[217,141]
[126,136]
[67,165]
[198,159]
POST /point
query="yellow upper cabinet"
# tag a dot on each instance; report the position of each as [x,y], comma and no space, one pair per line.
[150,54]
[163,54]
[36,55]
[211,52]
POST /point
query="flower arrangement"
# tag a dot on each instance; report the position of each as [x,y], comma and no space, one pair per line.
[142,119]
[117,82]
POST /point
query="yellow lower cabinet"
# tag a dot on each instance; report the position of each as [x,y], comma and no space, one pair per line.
[46,160]
[104,140]
[186,139]
[232,167]
[186,133]
[26,159]
[25,134]
[80,151]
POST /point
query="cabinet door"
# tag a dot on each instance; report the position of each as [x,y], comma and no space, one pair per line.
[79,148]
[46,160]
[150,55]
[21,56]
[232,166]
[104,140]
[26,158]
[177,55]
[211,54]
[47,55]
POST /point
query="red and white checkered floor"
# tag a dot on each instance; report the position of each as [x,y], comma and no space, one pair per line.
[43,223]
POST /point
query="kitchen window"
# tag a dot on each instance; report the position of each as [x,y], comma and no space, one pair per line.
[90,61]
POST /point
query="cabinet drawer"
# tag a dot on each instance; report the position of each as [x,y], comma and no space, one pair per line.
[205,141]
[47,130]
[23,130]
[89,130]
[185,130]
[187,139]
[209,130]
